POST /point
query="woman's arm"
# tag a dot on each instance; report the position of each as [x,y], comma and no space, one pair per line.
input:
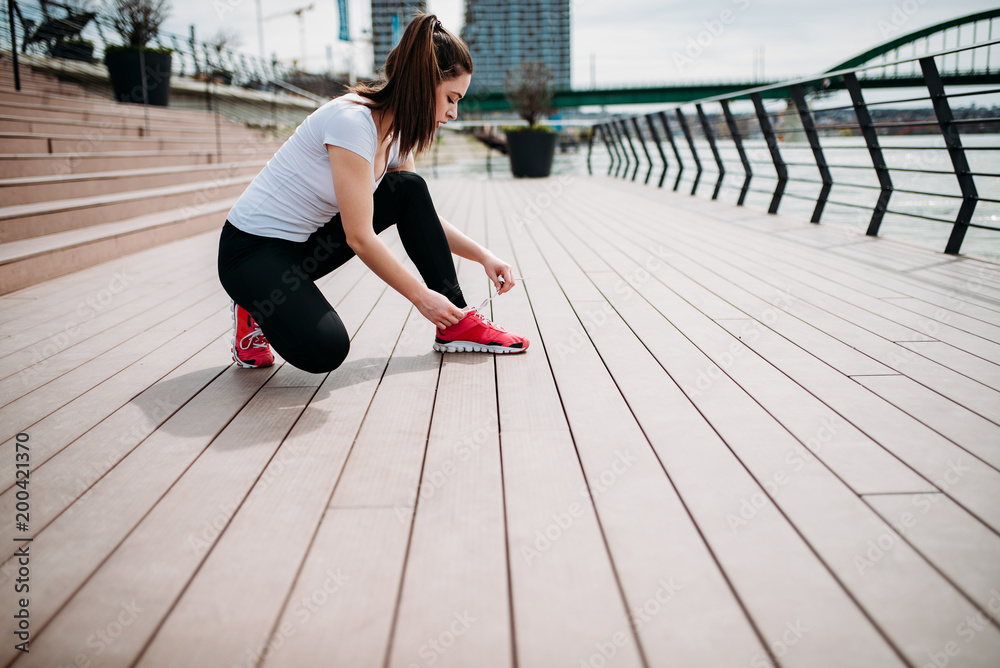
[352,179]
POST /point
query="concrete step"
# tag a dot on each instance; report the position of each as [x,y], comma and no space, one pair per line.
[29,190]
[24,263]
[107,113]
[19,165]
[99,105]
[126,128]
[26,221]
[36,82]
[22,142]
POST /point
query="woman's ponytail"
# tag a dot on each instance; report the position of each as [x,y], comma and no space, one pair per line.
[426,55]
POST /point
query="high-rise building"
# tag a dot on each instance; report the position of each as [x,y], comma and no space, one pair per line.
[389,19]
[502,35]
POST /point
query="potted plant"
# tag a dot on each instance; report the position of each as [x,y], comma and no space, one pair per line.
[223,40]
[73,49]
[138,73]
[529,91]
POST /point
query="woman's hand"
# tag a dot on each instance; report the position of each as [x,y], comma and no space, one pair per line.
[438,309]
[495,267]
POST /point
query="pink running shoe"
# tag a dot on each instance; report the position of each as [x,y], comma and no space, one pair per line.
[250,348]
[476,334]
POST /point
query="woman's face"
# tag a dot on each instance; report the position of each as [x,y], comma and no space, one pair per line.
[449,92]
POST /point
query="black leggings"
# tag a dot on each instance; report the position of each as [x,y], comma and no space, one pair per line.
[274,279]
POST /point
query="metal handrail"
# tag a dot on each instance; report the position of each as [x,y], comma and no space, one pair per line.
[735,130]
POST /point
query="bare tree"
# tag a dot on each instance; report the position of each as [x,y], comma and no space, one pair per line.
[138,21]
[529,90]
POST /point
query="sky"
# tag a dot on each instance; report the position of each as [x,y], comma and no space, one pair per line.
[613,42]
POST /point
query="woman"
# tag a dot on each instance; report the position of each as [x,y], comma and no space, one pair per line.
[344,176]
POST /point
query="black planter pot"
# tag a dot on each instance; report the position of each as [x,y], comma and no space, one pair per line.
[531,152]
[125,71]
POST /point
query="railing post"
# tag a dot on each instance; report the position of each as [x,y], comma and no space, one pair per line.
[673,145]
[734,131]
[949,131]
[694,152]
[631,146]
[624,162]
[772,146]
[612,151]
[798,96]
[659,147]
[590,150]
[715,150]
[878,161]
[645,150]
[13,45]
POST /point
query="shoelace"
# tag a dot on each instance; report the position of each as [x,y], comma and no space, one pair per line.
[487,301]
[257,339]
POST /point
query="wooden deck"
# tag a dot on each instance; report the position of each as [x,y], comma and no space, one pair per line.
[737,440]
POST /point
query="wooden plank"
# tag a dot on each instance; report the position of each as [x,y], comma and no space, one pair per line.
[269,548]
[456,566]
[794,299]
[824,606]
[41,408]
[967,364]
[50,298]
[979,436]
[384,467]
[340,610]
[154,564]
[79,540]
[856,458]
[845,525]
[118,414]
[65,348]
[961,547]
[865,275]
[565,600]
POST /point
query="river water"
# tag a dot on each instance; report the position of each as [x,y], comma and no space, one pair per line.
[850,164]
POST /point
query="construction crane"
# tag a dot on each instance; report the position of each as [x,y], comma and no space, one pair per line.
[302,27]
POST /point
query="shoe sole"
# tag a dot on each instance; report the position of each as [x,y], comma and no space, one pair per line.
[469,347]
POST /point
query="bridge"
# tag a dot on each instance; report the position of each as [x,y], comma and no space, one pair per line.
[960,72]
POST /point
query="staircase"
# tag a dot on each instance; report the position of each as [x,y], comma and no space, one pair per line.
[84,180]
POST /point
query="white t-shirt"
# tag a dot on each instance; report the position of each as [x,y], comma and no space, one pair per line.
[293,195]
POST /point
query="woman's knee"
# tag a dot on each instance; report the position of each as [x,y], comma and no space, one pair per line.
[411,185]
[322,350]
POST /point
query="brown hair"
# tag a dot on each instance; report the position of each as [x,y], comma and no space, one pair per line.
[426,55]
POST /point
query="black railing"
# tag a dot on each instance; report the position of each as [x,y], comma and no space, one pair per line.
[59,30]
[912,147]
